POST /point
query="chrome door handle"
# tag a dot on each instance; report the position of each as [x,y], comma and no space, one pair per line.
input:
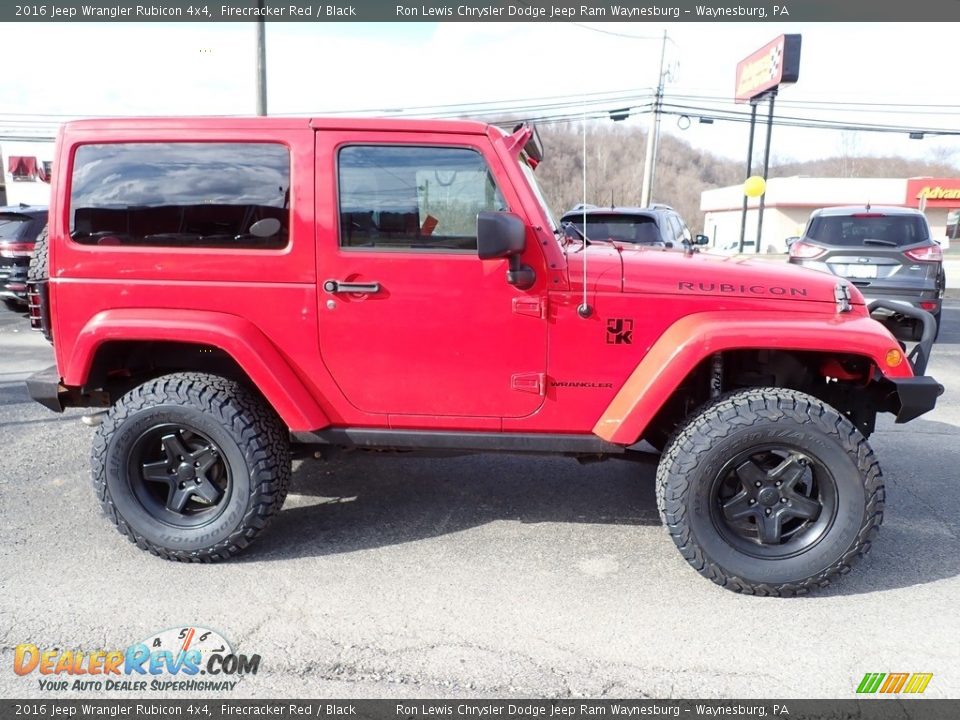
[336,286]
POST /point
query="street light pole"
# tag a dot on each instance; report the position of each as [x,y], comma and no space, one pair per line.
[766,169]
[261,61]
[649,160]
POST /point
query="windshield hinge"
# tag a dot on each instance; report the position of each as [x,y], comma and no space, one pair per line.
[841,293]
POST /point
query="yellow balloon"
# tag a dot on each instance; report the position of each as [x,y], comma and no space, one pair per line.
[754,186]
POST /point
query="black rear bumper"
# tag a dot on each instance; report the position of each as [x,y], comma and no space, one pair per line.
[45,388]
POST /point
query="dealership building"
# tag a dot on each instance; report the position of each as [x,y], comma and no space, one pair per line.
[789,202]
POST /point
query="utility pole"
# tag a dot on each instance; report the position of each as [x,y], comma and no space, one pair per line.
[653,139]
[261,61]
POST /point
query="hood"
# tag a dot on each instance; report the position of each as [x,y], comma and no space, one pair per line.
[674,273]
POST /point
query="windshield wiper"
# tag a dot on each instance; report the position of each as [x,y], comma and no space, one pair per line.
[878,241]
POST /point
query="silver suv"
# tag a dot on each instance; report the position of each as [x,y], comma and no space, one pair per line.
[887,252]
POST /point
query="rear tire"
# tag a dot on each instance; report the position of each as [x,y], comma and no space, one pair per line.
[39,270]
[770,491]
[191,467]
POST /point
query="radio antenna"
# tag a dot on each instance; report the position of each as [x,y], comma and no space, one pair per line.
[584,310]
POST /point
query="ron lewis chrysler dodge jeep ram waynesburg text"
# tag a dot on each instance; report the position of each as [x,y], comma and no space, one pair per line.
[238,291]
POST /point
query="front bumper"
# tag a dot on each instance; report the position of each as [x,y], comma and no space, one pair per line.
[913,396]
[881,310]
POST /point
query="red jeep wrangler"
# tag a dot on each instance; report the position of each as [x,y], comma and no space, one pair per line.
[236,290]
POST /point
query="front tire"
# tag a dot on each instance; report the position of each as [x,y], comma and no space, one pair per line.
[770,491]
[191,466]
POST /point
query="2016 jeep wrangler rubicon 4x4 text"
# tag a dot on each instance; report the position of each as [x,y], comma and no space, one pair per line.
[237,289]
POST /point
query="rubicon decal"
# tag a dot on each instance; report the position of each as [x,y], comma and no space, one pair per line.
[894,683]
[742,289]
[170,660]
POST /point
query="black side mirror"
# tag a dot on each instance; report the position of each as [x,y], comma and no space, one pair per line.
[702,240]
[504,235]
[500,235]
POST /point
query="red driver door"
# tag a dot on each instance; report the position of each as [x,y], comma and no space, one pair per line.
[412,322]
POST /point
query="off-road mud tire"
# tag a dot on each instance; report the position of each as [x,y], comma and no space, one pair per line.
[252,440]
[727,426]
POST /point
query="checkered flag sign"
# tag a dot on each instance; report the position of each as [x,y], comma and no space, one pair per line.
[776,54]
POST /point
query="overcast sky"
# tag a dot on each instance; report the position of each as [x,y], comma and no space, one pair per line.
[89,69]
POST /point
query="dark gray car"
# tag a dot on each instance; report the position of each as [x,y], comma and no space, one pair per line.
[19,227]
[657,226]
[886,252]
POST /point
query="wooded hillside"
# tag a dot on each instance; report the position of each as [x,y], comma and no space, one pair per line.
[615,155]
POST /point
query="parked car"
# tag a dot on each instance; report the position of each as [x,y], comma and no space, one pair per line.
[887,252]
[19,227]
[657,226]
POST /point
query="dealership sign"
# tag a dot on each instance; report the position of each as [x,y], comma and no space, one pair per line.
[933,192]
[776,63]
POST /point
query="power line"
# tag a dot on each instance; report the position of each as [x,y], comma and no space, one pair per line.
[601,105]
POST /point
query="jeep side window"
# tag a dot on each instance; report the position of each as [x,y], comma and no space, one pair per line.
[181,195]
[413,198]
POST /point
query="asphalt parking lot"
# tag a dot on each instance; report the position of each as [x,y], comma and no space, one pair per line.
[478,576]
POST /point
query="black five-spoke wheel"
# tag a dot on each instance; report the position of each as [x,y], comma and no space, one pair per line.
[774,501]
[179,474]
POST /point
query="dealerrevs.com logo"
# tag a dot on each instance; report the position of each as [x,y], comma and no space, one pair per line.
[186,659]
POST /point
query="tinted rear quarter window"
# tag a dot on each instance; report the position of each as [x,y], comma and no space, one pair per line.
[180,194]
[859,230]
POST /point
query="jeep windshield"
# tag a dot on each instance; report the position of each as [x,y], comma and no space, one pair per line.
[538,192]
[865,229]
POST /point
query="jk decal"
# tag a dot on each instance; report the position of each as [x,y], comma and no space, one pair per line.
[619,331]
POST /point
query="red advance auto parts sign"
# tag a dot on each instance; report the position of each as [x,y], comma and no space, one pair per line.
[776,63]
[939,192]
